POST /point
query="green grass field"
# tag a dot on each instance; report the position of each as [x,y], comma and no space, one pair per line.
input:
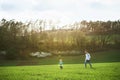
[106,66]
[101,71]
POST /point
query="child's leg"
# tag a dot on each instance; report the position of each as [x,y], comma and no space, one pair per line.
[61,67]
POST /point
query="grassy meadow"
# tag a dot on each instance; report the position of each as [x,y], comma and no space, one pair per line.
[100,71]
[105,67]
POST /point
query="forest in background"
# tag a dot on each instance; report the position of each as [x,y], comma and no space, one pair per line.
[19,39]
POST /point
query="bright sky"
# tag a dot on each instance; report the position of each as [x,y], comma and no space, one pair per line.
[63,11]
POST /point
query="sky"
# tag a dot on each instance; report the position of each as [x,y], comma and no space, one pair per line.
[60,11]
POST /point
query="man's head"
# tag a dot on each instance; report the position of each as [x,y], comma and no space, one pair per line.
[86,51]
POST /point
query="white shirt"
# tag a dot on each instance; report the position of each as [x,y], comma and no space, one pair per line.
[87,56]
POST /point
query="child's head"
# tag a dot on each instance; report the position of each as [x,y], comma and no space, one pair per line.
[60,59]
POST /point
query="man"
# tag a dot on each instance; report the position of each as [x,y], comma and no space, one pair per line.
[87,59]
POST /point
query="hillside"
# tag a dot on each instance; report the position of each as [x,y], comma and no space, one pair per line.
[104,56]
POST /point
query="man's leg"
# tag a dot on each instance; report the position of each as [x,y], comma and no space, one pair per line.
[90,64]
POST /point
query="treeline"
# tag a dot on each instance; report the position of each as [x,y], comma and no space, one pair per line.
[19,39]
